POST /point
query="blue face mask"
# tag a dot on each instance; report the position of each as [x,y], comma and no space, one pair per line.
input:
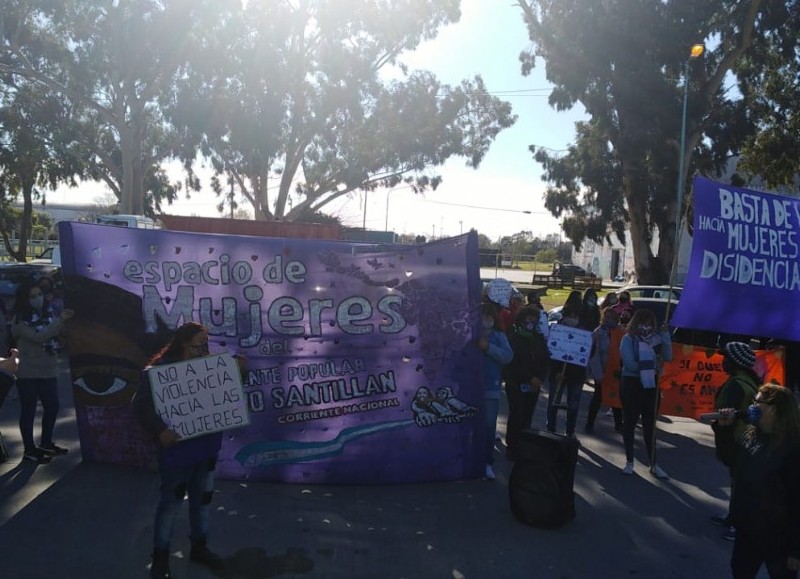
[753,414]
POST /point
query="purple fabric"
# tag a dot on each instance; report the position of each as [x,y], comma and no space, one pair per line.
[744,275]
[362,363]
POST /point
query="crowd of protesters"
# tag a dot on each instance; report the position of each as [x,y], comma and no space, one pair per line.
[757,435]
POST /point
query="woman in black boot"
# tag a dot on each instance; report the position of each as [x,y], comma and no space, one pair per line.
[186,467]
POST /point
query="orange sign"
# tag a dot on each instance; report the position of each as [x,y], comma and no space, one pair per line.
[690,381]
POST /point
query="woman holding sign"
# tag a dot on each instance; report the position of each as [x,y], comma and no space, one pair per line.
[640,350]
[186,467]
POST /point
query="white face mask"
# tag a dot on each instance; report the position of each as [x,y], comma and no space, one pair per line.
[488,323]
[37,302]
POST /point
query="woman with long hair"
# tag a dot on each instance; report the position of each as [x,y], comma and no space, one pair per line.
[765,502]
[36,329]
[641,349]
[186,467]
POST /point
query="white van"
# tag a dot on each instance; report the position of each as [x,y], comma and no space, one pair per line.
[137,221]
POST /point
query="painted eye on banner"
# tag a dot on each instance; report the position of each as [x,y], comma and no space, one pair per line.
[99,384]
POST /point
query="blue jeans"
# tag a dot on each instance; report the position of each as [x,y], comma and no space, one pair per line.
[31,390]
[574,390]
[492,408]
[198,481]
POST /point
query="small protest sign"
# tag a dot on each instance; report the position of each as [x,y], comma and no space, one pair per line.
[200,396]
[570,345]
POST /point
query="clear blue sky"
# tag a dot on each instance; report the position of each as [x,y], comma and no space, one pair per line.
[486,41]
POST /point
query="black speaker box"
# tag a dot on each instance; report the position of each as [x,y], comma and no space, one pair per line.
[540,487]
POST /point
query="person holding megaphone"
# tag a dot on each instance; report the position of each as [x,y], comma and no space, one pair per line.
[765,498]
[737,392]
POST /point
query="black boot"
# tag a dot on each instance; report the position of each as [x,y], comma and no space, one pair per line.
[204,556]
[160,567]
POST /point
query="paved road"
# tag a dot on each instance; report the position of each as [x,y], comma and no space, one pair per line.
[83,521]
[512,275]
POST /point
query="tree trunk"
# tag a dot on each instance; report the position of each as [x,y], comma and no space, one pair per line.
[21,252]
[137,191]
[127,151]
[647,270]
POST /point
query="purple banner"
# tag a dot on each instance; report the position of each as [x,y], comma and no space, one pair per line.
[744,275]
[362,364]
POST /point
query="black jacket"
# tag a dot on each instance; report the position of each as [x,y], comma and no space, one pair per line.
[531,357]
[766,491]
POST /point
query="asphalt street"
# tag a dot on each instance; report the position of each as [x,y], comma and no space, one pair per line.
[77,520]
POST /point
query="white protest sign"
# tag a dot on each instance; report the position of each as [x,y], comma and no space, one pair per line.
[570,345]
[200,396]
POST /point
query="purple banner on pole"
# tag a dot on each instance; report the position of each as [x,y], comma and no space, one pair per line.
[744,274]
[362,363]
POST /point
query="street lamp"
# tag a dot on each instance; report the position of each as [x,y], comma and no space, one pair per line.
[695,52]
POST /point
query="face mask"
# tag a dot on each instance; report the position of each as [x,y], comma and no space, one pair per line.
[645,330]
[488,323]
[530,326]
[198,351]
[753,414]
[591,302]
[37,302]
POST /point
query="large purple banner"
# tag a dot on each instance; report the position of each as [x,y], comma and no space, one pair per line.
[744,275]
[362,363]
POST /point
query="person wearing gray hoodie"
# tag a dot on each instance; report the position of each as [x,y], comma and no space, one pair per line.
[36,330]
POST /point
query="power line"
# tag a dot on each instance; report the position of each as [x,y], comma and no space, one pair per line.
[526,211]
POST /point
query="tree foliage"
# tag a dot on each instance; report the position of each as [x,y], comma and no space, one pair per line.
[297,111]
[34,135]
[112,63]
[626,61]
[291,93]
[769,80]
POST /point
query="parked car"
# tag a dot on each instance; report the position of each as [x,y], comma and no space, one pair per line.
[568,271]
[647,291]
[657,305]
[50,255]
[554,315]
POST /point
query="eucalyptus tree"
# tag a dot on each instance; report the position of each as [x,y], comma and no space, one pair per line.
[626,61]
[35,139]
[769,80]
[112,61]
[311,102]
